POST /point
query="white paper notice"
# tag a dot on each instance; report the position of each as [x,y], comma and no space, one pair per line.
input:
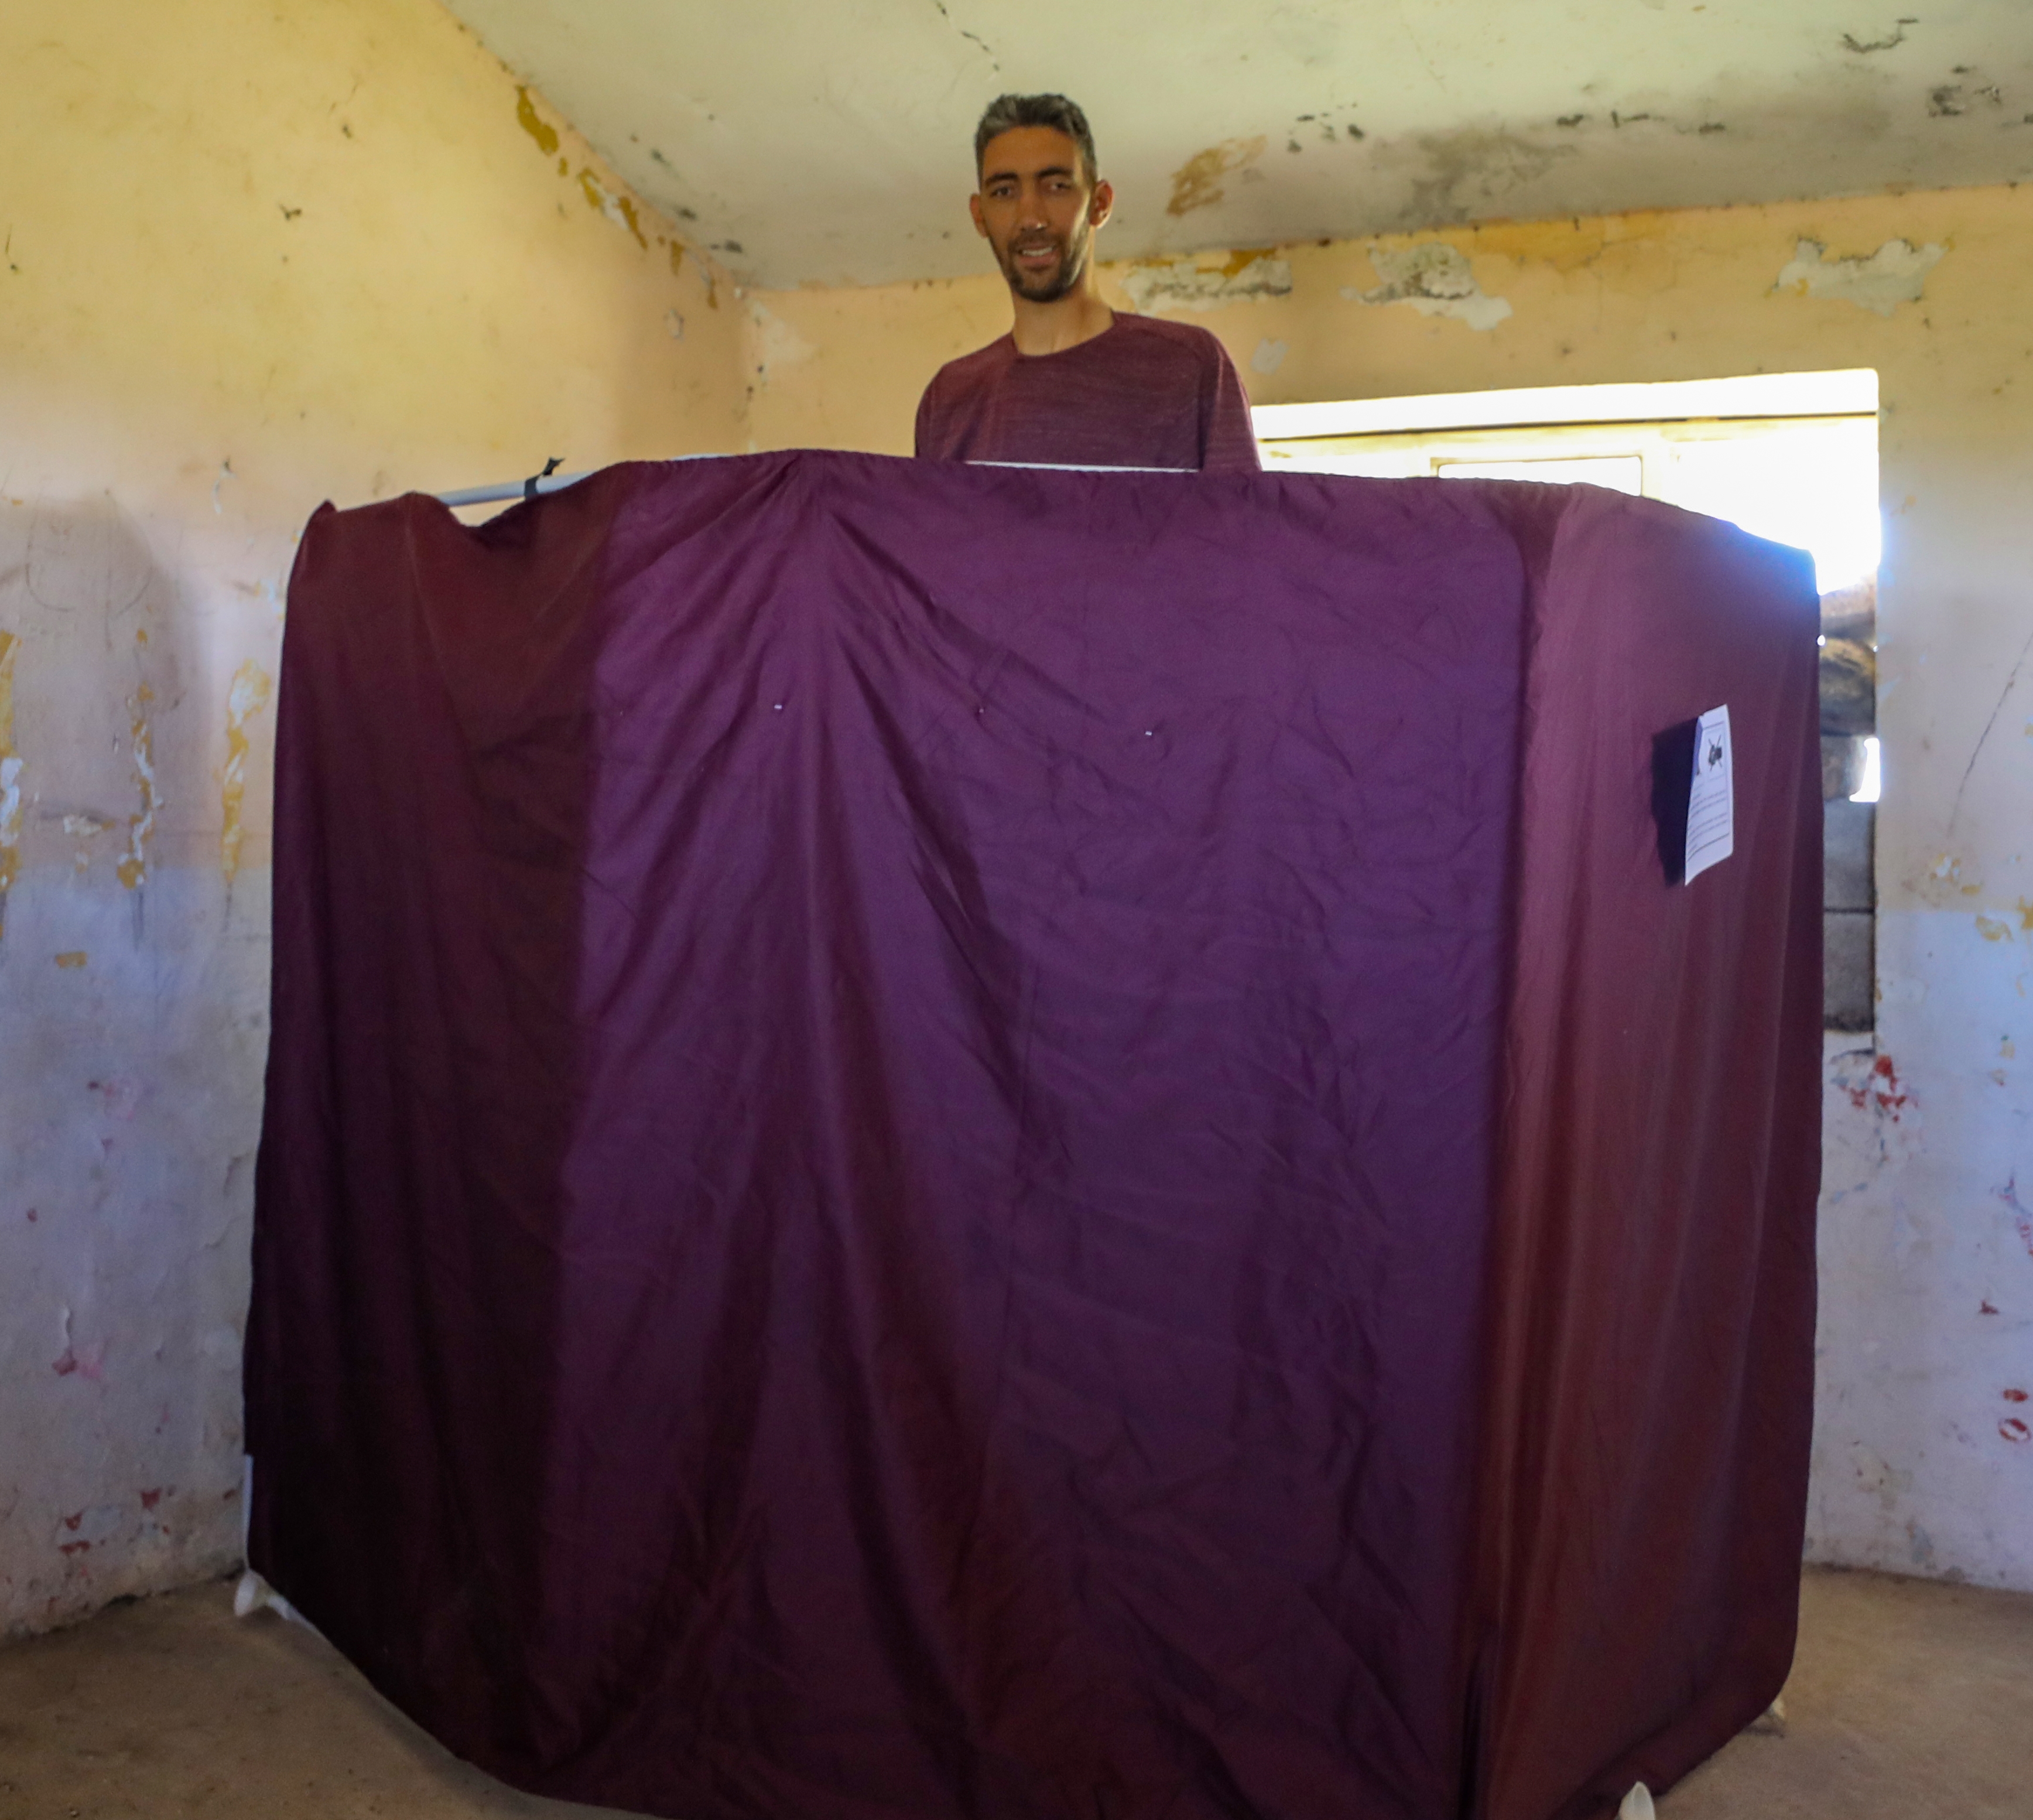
[1711,801]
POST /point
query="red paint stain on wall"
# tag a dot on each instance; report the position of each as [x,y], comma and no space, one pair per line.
[150,1499]
[1882,1085]
[2013,1429]
[1889,1098]
[73,1547]
[91,1361]
[1985,1308]
[2015,1396]
[72,1521]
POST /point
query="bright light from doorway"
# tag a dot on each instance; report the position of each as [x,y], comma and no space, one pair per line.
[1623,474]
[1814,485]
[1793,457]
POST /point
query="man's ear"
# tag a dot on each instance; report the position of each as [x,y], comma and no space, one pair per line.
[974,209]
[1101,204]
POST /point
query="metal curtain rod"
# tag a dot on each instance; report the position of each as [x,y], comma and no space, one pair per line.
[526,489]
[550,481]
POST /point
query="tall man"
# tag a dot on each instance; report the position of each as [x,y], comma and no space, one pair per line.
[1074,382]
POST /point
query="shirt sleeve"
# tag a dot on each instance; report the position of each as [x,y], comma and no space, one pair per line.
[921,437]
[1228,440]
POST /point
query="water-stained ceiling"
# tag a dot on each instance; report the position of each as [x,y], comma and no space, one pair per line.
[828,141]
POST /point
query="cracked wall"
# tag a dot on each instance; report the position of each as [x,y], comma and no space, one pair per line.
[255,257]
[1923,1462]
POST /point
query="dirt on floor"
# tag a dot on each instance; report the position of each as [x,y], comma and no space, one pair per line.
[1910,1700]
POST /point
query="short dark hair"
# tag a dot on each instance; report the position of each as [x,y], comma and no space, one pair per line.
[1008,111]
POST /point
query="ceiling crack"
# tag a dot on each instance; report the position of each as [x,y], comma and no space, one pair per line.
[1864,49]
[973,38]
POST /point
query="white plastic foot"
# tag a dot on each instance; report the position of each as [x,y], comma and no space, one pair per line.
[253,1591]
[250,1595]
[1772,1722]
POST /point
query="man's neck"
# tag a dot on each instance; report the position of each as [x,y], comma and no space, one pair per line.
[1065,322]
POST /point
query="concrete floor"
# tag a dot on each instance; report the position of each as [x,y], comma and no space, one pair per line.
[1910,1700]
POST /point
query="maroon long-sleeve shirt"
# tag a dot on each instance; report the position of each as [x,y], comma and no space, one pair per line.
[1144,393]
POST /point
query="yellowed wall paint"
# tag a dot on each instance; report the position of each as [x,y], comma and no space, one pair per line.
[324,224]
[256,256]
[260,256]
[247,696]
[1650,296]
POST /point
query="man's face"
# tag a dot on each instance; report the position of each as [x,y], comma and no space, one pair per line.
[1038,208]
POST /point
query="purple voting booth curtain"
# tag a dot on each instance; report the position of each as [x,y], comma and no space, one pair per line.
[946,1142]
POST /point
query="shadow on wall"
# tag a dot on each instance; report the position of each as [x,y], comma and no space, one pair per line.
[131,991]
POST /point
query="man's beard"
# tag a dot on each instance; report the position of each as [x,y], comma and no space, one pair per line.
[1049,286]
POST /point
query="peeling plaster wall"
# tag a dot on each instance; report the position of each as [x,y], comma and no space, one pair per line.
[813,142]
[1924,1448]
[255,256]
